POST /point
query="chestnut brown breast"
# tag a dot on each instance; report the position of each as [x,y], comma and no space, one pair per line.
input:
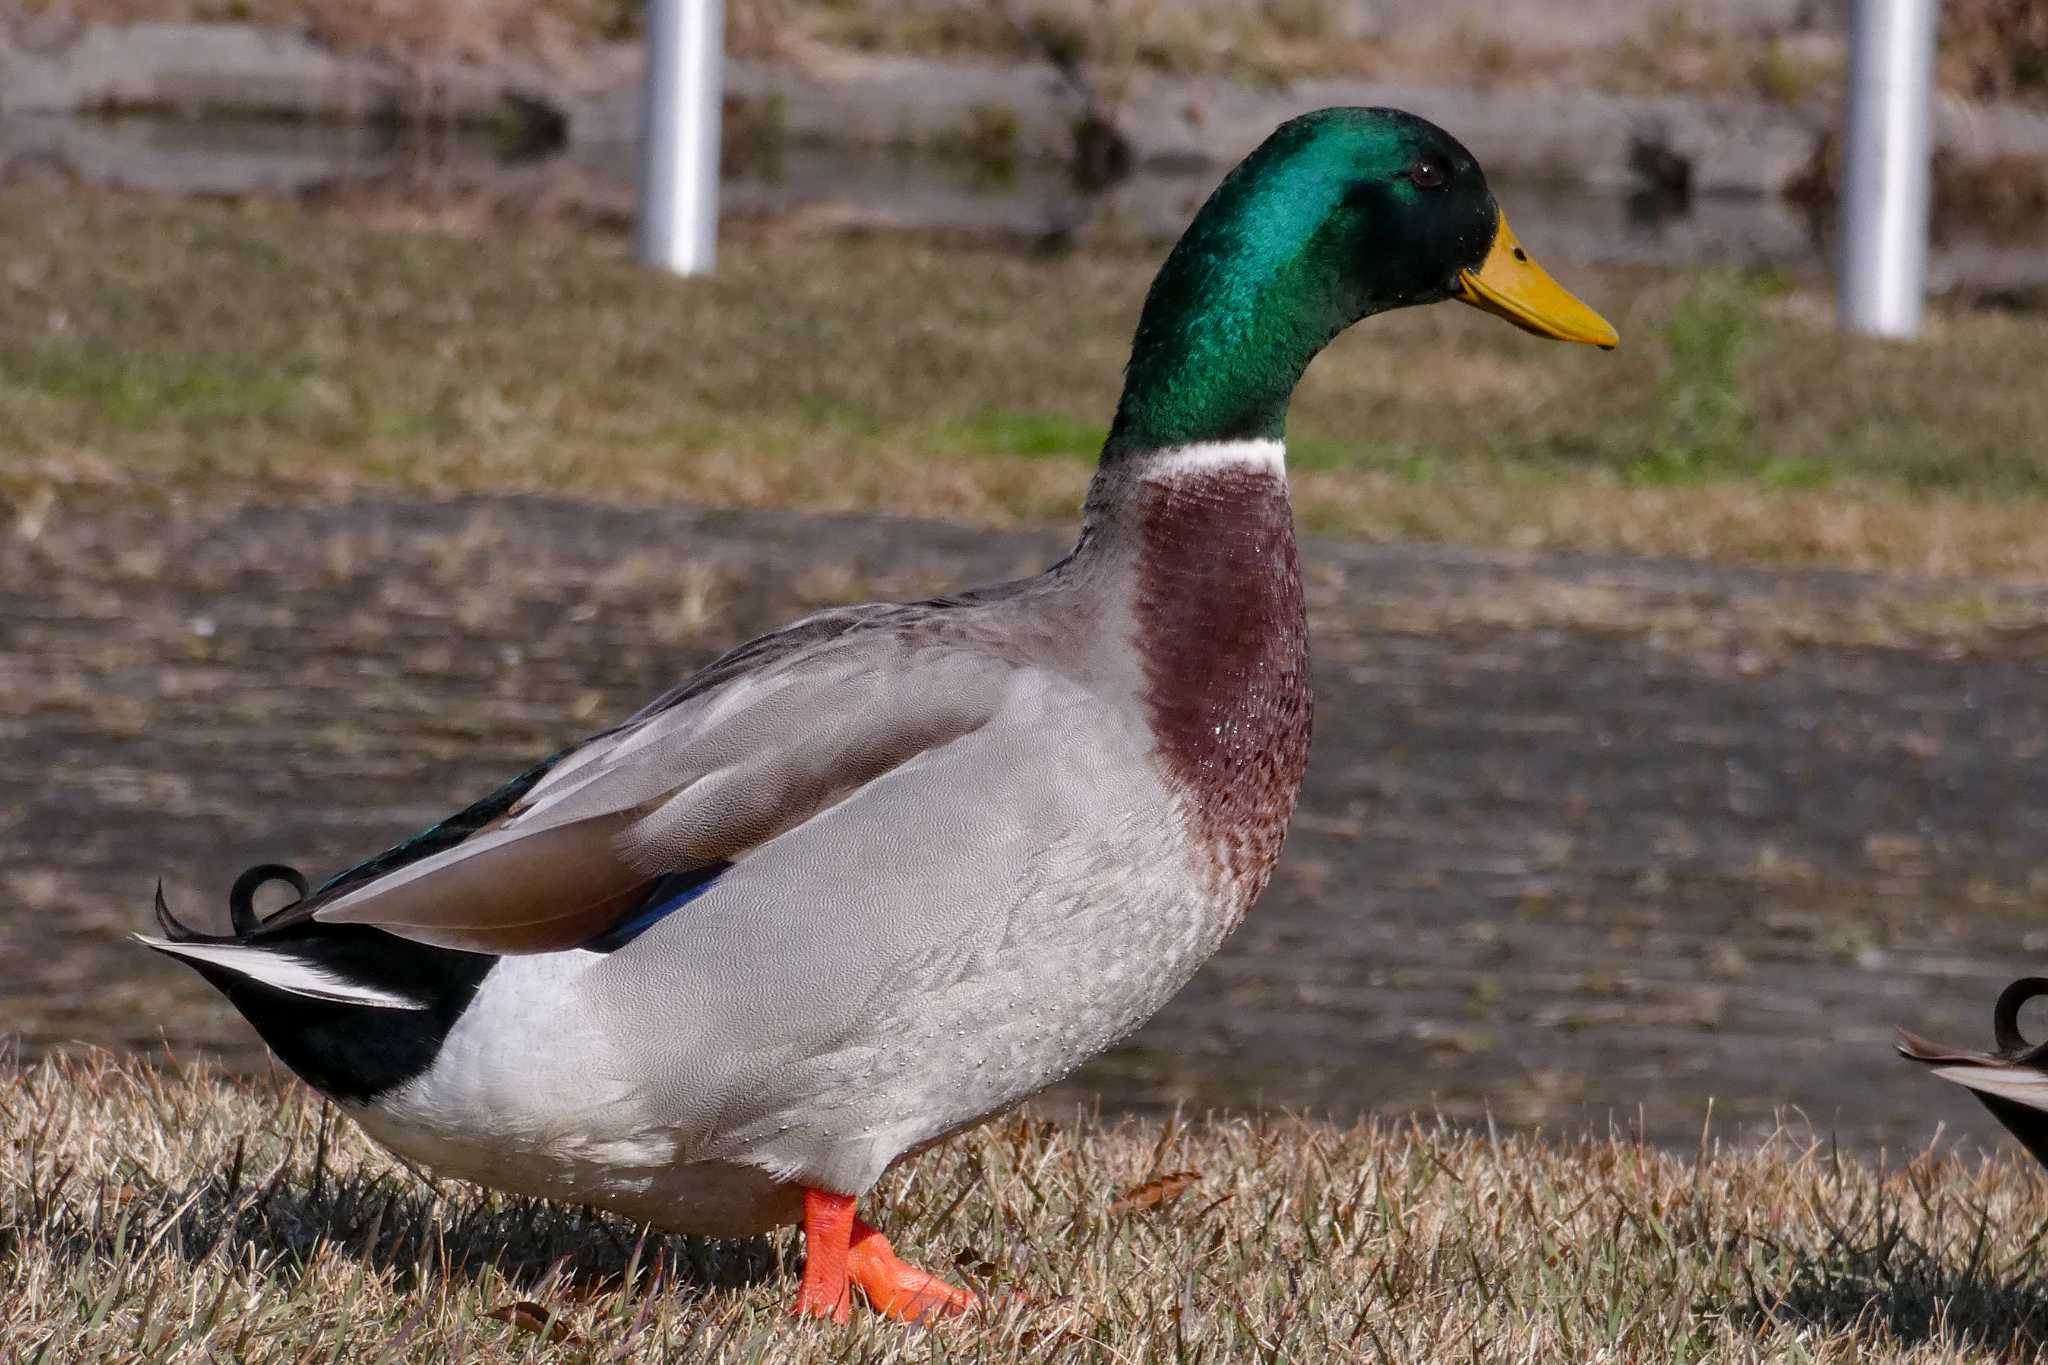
[1224,643]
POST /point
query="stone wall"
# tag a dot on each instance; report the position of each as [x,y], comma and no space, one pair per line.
[1524,23]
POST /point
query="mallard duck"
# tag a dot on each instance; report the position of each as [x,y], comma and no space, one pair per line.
[880,875]
[2011,1082]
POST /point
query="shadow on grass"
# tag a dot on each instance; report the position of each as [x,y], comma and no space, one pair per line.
[1939,1283]
[288,1221]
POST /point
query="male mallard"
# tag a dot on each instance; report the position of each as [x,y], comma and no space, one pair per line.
[880,875]
[2011,1082]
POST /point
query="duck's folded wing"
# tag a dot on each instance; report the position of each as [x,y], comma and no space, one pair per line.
[701,781]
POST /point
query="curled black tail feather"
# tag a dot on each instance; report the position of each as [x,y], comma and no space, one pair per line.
[174,928]
[2005,1021]
[242,914]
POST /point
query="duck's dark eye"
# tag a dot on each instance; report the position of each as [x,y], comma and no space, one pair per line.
[1427,173]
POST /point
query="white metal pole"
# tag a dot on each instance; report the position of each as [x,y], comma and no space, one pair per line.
[679,117]
[1886,171]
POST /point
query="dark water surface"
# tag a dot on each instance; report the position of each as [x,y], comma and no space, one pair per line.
[1583,837]
[836,188]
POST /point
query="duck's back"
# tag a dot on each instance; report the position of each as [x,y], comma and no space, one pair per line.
[949,937]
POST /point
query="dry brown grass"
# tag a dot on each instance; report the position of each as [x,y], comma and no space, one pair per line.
[1112,40]
[417,33]
[164,1213]
[1872,528]
[1996,49]
[216,347]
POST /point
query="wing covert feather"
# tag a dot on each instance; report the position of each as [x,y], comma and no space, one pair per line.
[706,779]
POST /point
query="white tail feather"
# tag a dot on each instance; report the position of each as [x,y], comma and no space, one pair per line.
[283,973]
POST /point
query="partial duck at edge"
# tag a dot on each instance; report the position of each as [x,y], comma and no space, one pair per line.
[2011,1082]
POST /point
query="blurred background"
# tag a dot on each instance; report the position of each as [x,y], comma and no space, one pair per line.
[1681,711]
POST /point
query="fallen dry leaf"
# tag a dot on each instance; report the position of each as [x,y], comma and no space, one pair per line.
[971,1262]
[528,1316]
[1155,1193]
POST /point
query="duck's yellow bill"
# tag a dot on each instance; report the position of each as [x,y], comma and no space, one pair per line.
[1512,286]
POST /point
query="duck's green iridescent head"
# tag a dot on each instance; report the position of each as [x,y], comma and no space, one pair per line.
[1338,215]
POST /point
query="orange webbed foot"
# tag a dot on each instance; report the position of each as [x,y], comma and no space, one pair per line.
[840,1251]
[896,1289]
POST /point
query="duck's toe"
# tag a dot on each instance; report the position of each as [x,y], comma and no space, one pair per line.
[897,1289]
[840,1251]
[814,1301]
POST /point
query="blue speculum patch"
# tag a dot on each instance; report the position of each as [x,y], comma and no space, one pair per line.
[670,894]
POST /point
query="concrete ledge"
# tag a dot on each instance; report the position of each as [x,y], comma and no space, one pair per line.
[195,66]
[1603,141]
[1027,111]
[244,70]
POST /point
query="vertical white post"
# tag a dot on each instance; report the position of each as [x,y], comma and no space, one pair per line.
[1886,166]
[679,117]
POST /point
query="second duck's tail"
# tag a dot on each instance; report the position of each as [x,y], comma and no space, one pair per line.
[2011,1082]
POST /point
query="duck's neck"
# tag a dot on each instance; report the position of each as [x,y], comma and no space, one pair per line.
[1250,293]
[1203,384]
[1192,494]
[1222,641]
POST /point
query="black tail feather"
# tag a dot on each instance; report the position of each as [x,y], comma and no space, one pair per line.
[2005,1021]
[242,897]
[175,929]
[242,916]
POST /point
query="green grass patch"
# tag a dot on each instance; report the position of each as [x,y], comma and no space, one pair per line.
[138,392]
[211,344]
[1707,421]
[1038,435]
